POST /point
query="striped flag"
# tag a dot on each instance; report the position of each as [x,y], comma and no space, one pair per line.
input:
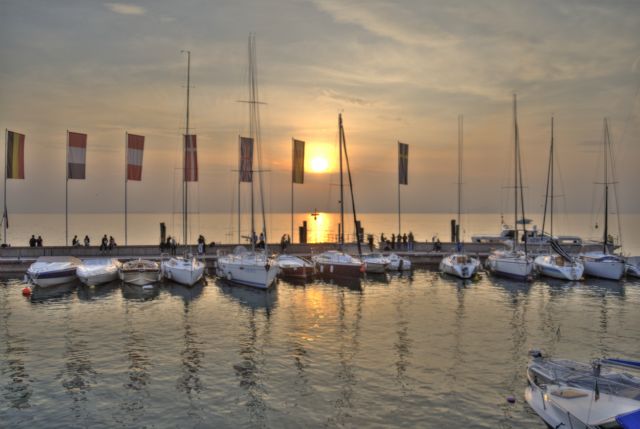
[15,155]
[298,161]
[190,158]
[246,159]
[135,149]
[403,163]
[76,155]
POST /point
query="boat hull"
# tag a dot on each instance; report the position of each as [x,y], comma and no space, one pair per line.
[375,267]
[299,273]
[611,269]
[464,271]
[257,276]
[184,274]
[514,268]
[548,268]
[98,278]
[330,270]
[140,278]
[52,278]
[633,270]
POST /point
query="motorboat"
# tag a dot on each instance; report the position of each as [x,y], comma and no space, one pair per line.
[559,265]
[185,270]
[333,263]
[398,263]
[295,267]
[603,265]
[460,265]
[633,266]
[248,268]
[97,271]
[53,270]
[140,272]
[375,263]
[602,395]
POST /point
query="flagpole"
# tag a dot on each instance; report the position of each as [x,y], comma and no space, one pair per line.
[6,169]
[399,221]
[66,196]
[293,156]
[126,181]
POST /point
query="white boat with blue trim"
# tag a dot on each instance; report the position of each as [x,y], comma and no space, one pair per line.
[53,270]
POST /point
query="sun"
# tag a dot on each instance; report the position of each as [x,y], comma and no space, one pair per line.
[319,164]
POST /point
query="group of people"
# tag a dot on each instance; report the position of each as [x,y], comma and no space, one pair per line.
[76,242]
[397,242]
[107,243]
[35,242]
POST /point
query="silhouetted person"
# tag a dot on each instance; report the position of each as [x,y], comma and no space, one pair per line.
[201,244]
[32,241]
[410,239]
[75,242]
[261,241]
[393,241]
[438,246]
[104,243]
[283,243]
[370,240]
[39,241]
[87,241]
[112,242]
[174,246]
[404,241]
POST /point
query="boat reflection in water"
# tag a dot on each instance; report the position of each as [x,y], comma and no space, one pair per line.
[140,293]
[90,293]
[52,293]
[256,299]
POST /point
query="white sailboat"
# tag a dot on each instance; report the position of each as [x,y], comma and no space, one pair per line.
[558,264]
[459,264]
[514,263]
[333,263]
[633,266]
[398,263]
[601,263]
[602,395]
[185,270]
[254,268]
[375,263]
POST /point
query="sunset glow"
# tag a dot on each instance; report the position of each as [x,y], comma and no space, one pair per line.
[319,164]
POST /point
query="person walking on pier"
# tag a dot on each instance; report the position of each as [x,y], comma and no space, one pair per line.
[32,241]
[87,241]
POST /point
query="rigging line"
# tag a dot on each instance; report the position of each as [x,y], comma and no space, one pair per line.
[615,191]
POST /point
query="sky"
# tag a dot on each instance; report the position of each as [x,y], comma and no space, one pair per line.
[396,70]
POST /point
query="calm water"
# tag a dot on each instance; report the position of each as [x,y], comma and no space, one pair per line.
[401,351]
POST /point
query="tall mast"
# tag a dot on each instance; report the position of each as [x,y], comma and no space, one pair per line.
[353,201]
[460,132]
[552,166]
[126,180]
[66,195]
[515,178]
[606,188]
[549,189]
[6,169]
[341,229]
[185,188]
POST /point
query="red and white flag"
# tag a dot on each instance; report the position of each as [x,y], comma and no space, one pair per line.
[190,158]
[135,149]
[76,155]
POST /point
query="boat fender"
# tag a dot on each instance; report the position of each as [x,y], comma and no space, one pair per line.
[511,399]
[26,291]
[363,268]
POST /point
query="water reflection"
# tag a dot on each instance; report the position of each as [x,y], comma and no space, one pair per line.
[140,293]
[402,345]
[52,293]
[92,293]
[17,390]
[349,283]
[255,299]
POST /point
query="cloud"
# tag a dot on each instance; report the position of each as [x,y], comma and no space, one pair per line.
[126,9]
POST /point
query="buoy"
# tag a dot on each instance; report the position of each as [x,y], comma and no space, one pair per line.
[26,291]
[511,399]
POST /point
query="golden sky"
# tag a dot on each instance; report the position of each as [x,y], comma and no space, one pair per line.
[397,71]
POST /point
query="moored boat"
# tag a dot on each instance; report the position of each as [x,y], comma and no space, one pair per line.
[571,394]
[333,263]
[375,263]
[398,263]
[184,270]
[248,268]
[557,267]
[53,270]
[295,267]
[460,265]
[97,271]
[140,272]
[633,266]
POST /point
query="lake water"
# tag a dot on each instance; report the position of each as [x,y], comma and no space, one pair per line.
[143,228]
[412,351]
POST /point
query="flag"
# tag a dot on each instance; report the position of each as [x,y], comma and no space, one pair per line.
[76,155]
[246,159]
[403,163]
[190,158]
[15,155]
[298,161]
[135,149]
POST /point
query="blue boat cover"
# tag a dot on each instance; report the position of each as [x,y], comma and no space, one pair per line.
[623,362]
[630,420]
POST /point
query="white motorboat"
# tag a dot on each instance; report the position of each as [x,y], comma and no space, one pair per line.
[398,263]
[375,263]
[140,272]
[53,270]
[295,267]
[571,394]
[184,270]
[333,263]
[559,265]
[460,265]
[633,266]
[248,268]
[601,263]
[514,263]
[97,271]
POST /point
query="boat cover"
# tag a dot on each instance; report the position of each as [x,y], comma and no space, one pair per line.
[622,362]
[630,420]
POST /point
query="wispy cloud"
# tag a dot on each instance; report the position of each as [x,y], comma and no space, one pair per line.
[126,9]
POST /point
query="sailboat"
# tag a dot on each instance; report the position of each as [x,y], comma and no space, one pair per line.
[514,263]
[186,270]
[458,263]
[337,263]
[559,265]
[251,268]
[602,263]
